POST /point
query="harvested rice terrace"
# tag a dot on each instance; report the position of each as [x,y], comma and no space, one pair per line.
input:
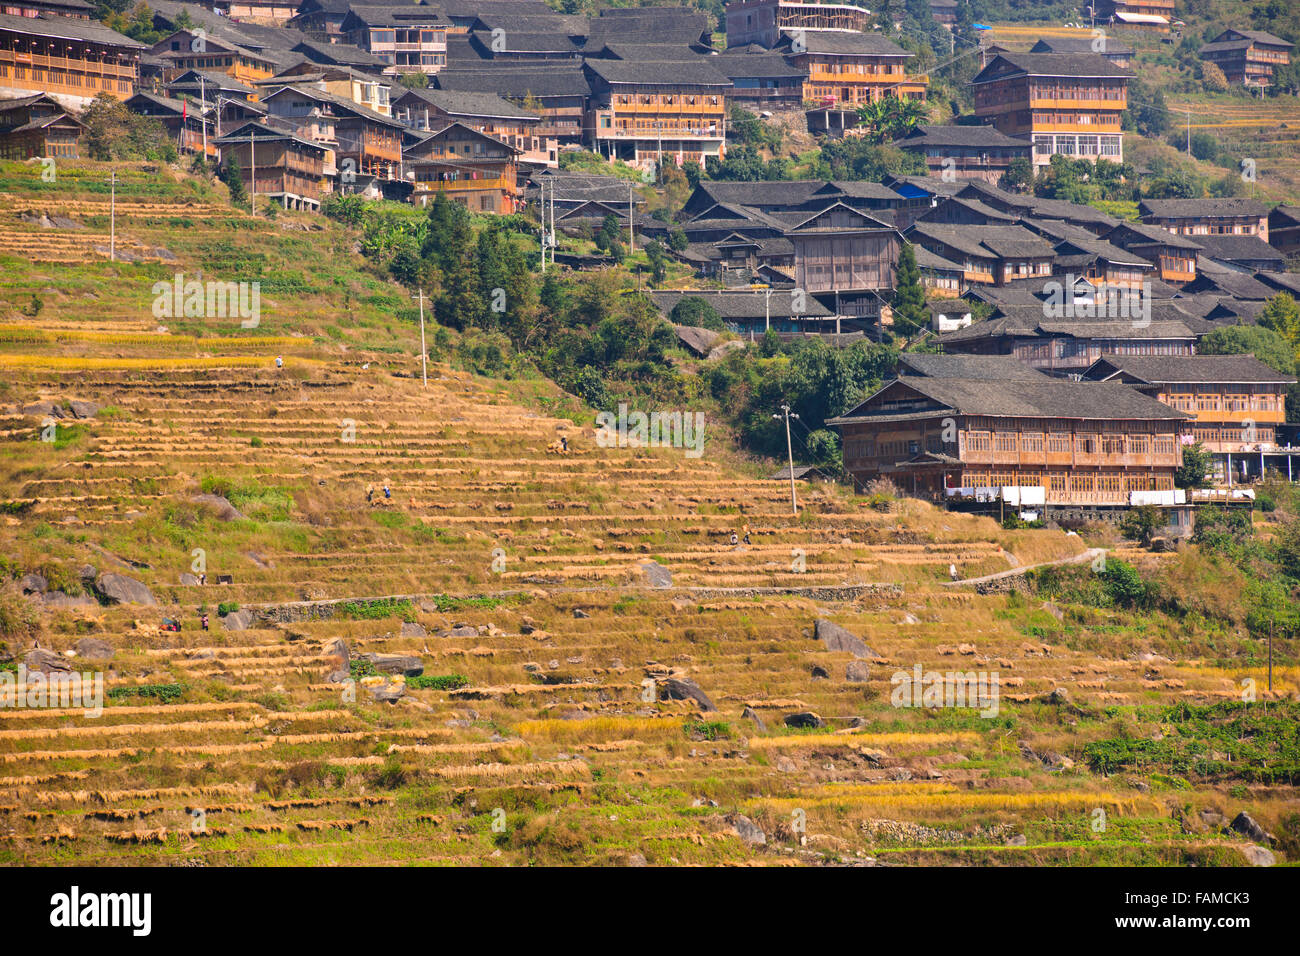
[551,601]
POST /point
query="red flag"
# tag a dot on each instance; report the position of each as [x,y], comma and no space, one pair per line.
[184,104]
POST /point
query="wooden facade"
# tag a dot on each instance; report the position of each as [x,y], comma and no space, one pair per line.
[485,112]
[843,250]
[1091,443]
[1173,256]
[1066,104]
[1207,217]
[468,167]
[1248,57]
[36,127]
[1236,402]
[365,143]
[646,113]
[846,70]
[75,60]
[764,21]
[195,50]
[413,39]
[283,167]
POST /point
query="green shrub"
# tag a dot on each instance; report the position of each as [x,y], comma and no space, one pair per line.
[438,682]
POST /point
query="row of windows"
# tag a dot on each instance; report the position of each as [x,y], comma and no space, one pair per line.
[1061,443]
[1240,435]
[1071,145]
[1215,402]
[666,99]
[66,78]
[1065,482]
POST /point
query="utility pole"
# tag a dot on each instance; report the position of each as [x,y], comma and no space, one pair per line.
[112,217]
[631,236]
[424,353]
[203,120]
[1270,657]
[767,313]
[252,172]
[789,452]
[542,198]
[550,237]
[1189,132]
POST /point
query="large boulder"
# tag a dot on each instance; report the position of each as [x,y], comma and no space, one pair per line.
[655,574]
[33,584]
[1258,855]
[83,409]
[119,589]
[337,649]
[857,672]
[188,580]
[225,511]
[683,688]
[748,831]
[395,664]
[47,662]
[750,714]
[837,638]
[460,630]
[805,720]
[93,649]
[1245,825]
[240,620]
[44,409]
[412,629]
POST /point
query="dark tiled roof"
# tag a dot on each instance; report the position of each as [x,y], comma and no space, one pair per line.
[1158,369]
[1054,64]
[459,103]
[847,44]
[963,136]
[67,28]
[1078,45]
[1035,398]
[676,73]
[395,15]
[743,305]
[1239,248]
[736,62]
[341,53]
[553,79]
[1202,208]
[777,193]
[1142,234]
[985,241]
[995,368]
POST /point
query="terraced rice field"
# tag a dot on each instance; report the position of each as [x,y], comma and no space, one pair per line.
[605,677]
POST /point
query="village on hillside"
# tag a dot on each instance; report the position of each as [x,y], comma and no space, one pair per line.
[480,103]
[650,433]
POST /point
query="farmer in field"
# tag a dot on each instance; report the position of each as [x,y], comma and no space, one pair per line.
[370,494]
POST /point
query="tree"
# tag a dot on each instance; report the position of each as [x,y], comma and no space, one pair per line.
[1019,175]
[658,261]
[909,298]
[1141,523]
[1147,112]
[1195,469]
[695,311]
[1263,343]
[114,132]
[677,240]
[1281,315]
[1212,76]
[890,118]
[233,177]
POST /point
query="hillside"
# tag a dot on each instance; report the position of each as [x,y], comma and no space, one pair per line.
[567,610]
